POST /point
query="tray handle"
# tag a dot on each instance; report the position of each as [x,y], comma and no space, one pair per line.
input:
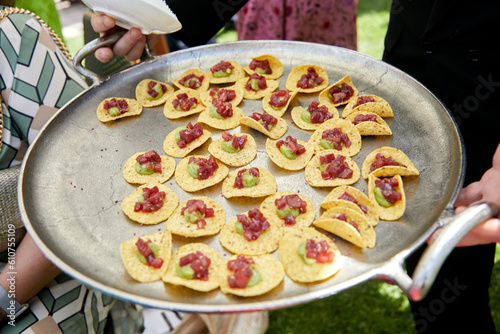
[455,228]
[95,44]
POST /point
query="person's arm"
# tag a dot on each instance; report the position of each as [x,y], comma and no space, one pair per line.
[32,271]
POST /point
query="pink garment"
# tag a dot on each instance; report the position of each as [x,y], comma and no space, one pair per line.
[330,22]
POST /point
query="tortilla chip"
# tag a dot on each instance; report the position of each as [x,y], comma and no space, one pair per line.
[363,237]
[171,148]
[324,99]
[171,113]
[379,107]
[313,172]
[131,176]
[141,92]
[297,163]
[266,186]
[361,199]
[178,225]
[369,128]
[222,124]
[237,73]
[238,159]
[398,155]
[270,269]
[272,85]
[134,109]
[206,99]
[276,112]
[274,63]
[294,265]
[297,72]
[216,261]
[199,73]
[150,218]
[276,132]
[142,272]
[266,243]
[347,128]
[190,184]
[297,118]
[268,209]
[395,211]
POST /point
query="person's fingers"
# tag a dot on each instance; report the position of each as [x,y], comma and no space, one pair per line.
[470,194]
[102,23]
[484,233]
[104,54]
[130,44]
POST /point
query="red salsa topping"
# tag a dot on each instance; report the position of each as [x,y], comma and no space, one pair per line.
[192,81]
[381,161]
[183,102]
[221,66]
[364,118]
[197,205]
[189,134]
[262,64]
[310,80]
[337,138]
[253,224]
[387,187]
[319,251]
[340,93]
[242,272]
[238,182]
[153,93]
[153,200]
[147,252]
[237,142]
[265,119]
[292,145]
[121,104]
[279,99]
[319,114]
[343,217]
[348,197]
[224,95]
[225,109]
[334,167]
[293,202]
[260,82]
[362,100]
[151,159]
[207,166]
[199,263]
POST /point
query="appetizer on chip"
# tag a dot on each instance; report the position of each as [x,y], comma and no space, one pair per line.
[269,125]
[152,93]
[197,217]
[250,233]
[198,172]
[290,154]
[330,169]
[249,182]
[388,195]
[195,266]
[338,135]
[234,150]
[276,103]
[369,124]
[354,199]
[221,115]
[388,161]
[182,103]
[232,94]
[116,107]
[268,66]
[146,258]
[313,116]
[307,79]
[309,256]
[341,92]
[148,167]
[150,203]
[225,72]
[184,139]
[248,276]
[287,210]
[194,79]
[368,103]
[256,86]
[349,225]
